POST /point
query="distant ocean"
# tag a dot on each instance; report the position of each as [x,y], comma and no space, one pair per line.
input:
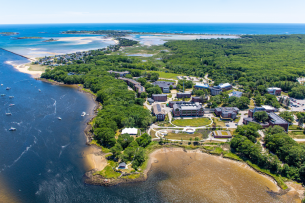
[38,48]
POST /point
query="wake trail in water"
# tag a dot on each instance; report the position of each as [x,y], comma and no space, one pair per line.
[54,105]
[62,148]
[25,151]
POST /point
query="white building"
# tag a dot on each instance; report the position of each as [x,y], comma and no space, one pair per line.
[130,131]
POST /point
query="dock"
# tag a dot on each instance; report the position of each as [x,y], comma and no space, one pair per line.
[15,53]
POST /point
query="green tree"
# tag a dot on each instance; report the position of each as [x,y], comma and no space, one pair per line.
[144,140]
[116,150]
[288,116]
[124,140]
[261,116]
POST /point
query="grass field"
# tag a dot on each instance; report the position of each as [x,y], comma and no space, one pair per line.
[297,134]
[218,122]
[184,136]
[294,127]
[166,75]
[36,67]
[192,122]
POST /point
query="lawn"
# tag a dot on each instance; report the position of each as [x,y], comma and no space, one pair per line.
[184,136]
[218,122]
[297,134]
[192,122]
[166,75]
[294,127]
[108,172]
[36,67]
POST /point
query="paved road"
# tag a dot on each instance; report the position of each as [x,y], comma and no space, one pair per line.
[240,122]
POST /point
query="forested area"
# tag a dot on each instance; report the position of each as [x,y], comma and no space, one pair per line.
[251,61]
[120,107]
[287,158]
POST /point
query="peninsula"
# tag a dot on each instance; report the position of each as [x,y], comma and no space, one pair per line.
[242,112]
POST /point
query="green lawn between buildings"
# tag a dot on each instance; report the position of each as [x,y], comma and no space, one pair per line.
[196,122]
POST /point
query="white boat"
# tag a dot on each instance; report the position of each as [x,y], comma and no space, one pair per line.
[39,90]
[59,118]
[12,104]
[11,97]
[1,84]
[8,114]
[84,113]
[8,88]
[2,95]
[12,129]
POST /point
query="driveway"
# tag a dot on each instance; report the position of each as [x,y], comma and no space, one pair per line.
[242,115]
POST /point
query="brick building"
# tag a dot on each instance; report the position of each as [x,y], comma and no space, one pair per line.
[159,97]
[159,112]
[134,84]
[275,91]
[273,119]
[268,109]
[118,74]
[226,112]
[184,95]
[164,85]
[188,109]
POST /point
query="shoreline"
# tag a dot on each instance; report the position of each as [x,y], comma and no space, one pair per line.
[96,158]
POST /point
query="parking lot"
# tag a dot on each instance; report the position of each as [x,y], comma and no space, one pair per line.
[297,104]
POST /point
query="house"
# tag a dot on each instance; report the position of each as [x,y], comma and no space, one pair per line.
[121,74]
[226,112]
[150,100]
[201,86]
[273,119]
[159,112]
[130,131]
[122,165]
[184,95]
[236,94]
[268,109]
[164,85]
[159,97]
[200,99]
[188,109]
[275,91]
[222,134]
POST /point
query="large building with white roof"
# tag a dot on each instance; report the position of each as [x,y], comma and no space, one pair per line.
[130,131]
[188,109]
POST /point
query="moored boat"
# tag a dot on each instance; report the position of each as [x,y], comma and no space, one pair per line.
[8,114]
[59,118]
[84,113]
[12,129]
[11,97]
[12,104]
[8,88]
[39,90]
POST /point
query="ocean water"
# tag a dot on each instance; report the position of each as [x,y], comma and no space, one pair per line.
[38,48]
[43,161]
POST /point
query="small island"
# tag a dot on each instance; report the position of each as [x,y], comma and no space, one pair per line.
[8,33]
[51,40]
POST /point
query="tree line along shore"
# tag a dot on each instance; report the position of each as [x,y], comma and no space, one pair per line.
[252,63]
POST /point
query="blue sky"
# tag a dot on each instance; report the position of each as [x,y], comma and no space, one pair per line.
[121,11]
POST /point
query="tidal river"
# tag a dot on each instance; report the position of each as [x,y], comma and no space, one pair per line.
[43,160]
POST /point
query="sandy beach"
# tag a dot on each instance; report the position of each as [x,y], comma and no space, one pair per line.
[86,40]
[24,68]
[94,158]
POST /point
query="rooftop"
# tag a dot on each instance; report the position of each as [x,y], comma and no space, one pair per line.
[202,85]
[158,109]
[221,85]
[163,83]
[276,119]
[130,131]
[159,95]
[188,106]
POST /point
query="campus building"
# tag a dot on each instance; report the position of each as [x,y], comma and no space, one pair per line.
[226,112]
[188,109]
[216,90]
[268,109]
[134,84]
[201,86]
[159,97]
[118,74]
[184,95]
[200,99]
[159,112]
[275,91]
[164,85]
[236,94]
[273,119]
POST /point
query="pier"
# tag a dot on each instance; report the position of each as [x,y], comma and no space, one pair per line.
[15,53]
